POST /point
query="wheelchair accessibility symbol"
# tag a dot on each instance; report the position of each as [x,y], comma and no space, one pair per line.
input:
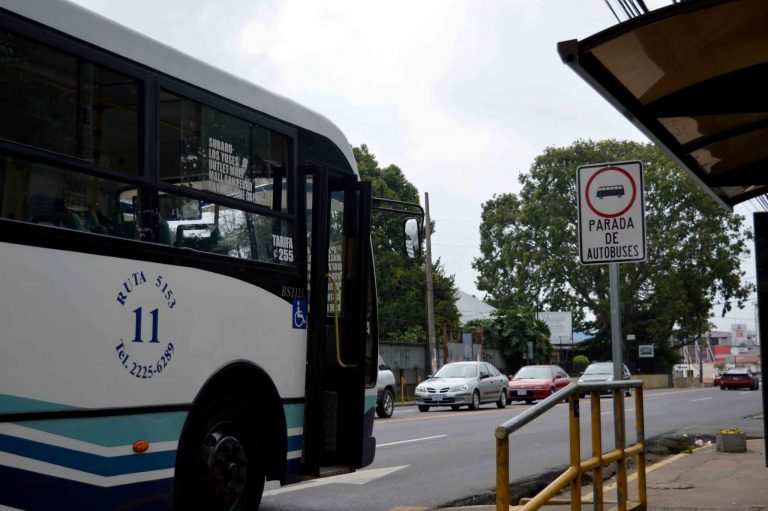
[299,313]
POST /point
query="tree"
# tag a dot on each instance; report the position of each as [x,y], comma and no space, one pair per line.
[580,362]
[401,284]
[530,252]
[512,330]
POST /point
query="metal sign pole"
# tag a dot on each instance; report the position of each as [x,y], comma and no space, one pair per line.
[613,275]
[616,345]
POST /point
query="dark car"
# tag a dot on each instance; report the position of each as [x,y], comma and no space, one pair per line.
[536,382]
[739,378]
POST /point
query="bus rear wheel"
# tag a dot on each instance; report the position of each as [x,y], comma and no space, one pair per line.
[219,467]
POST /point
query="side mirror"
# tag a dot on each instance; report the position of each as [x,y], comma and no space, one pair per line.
[412,237]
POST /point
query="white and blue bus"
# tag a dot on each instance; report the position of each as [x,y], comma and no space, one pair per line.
[187,301]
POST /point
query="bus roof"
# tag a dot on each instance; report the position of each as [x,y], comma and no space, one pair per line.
[102,32]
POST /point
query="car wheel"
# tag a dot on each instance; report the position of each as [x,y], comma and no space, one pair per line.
[223,432]
[475,404]
[528,401]
[581,396]
[628,393]
[387,405]
[423,408]
[502,402]
[455,407]
[722,387]
[509,401]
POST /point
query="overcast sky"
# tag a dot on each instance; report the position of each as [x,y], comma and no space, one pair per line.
[461,95]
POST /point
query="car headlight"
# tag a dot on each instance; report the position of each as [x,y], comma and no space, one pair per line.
[538,387]
[419,388]
[458,388]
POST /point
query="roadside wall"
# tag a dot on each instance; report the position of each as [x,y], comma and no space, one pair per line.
[407,361]
[654,381]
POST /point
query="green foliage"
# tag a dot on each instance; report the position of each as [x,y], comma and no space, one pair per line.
[401,282]
[580,362]
[512,330]
[529,246]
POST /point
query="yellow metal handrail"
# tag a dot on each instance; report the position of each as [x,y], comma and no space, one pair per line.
[334,292]
[598,459]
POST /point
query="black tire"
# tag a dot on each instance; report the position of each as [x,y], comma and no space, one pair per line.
[502,402]
[423,408]
[528,401]
[221,431]
[386,407]
[581,396]
[475,404]
[552,390]
[722,387]
[455,407]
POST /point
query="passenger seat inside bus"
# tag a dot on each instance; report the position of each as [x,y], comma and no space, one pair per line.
[63,219]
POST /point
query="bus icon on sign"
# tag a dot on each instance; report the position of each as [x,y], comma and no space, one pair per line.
[608,191]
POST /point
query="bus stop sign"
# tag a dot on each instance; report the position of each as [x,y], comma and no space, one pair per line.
[611,213]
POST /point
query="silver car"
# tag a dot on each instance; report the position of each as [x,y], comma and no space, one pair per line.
[463,383]
[602,372]
[385,391]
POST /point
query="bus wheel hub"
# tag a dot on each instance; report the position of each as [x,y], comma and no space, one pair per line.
[227,465]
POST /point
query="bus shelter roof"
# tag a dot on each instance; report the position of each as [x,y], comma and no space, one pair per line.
[692,76]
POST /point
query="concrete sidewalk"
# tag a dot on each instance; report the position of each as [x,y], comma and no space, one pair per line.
[708,479]
[703,480]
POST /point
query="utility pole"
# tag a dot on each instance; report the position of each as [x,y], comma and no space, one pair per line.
[432,345]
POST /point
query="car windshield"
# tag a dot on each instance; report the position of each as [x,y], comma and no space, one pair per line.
[736,370]
[457,371]
[533,373]
[600,369]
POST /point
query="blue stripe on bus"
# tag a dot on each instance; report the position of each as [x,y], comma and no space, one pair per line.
[86,462]
[38,492]
[104,431]
[294,443]
[116,430]
[294,415]
[370,402]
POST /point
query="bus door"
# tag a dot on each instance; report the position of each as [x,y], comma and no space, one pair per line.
[341,350]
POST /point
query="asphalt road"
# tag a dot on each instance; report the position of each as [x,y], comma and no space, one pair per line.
[430,459]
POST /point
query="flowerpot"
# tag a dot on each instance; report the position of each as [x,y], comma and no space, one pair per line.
[731,440]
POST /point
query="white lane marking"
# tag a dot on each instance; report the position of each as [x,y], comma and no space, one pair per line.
[701,399]
[360,477]
[411,441]
[611,412]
